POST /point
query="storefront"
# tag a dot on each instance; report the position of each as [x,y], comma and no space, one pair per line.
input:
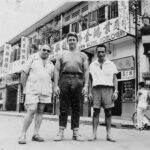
[125,105]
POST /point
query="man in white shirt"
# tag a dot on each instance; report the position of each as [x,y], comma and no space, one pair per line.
[103,89]
[36,80]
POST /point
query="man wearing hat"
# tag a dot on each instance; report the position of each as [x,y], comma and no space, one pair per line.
[71,70]
[36,80]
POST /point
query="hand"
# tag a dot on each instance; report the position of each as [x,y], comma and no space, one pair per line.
[114,96]
[90,98]
[85,90]
[56,91]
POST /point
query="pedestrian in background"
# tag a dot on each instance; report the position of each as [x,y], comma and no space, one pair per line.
[36,80]
[142,103]
[71,70]
[103,89]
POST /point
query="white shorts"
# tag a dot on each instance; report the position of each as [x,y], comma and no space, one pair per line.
[33,99]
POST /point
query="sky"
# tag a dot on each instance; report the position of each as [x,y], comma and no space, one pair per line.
[17,15]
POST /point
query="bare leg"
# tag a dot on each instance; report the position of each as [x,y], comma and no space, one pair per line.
[28,119]
[108,118]
[38,118]
[95,123]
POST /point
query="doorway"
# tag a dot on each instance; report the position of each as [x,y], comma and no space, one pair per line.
[11,103]
[117,110]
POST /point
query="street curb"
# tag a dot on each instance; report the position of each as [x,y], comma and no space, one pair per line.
[116,123]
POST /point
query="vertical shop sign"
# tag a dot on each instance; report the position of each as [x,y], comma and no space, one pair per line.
[123,9]
[6,57]
[24,49]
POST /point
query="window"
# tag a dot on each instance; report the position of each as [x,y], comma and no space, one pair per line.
[101,14]
[67,18]
[113,10]
[94,15]
[84,23]
[85,8]
[75,27]
[76,13]
[65,31]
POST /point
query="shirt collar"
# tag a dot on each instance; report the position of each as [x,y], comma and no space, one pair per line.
[97,62]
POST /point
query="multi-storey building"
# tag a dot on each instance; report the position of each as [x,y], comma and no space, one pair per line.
[97,22]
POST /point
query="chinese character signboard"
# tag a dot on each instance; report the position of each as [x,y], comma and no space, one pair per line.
[6,57]
[128,91]
[123,10]
[127,74]
[102,33]
[24,49]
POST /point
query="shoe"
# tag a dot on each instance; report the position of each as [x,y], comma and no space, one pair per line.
[110,139]
[59,136]
[92,138]
[78,137]
[22,140]
[37,138]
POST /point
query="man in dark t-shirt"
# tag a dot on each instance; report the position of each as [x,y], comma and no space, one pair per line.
[71,70]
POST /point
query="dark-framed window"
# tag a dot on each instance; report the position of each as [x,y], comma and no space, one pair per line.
[101,14]
[113,10]
[75,27]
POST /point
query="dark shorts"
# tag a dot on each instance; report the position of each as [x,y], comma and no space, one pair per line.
[102,96]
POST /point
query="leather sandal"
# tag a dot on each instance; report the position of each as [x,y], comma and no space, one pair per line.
[37,138]
[22,140]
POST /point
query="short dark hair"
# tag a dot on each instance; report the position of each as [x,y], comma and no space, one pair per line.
[142,84]
[72,34]
[101,45]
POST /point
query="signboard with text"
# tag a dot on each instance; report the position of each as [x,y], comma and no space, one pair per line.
[127,74]
[6,57]
[24,49]
[123,10]
[102,33]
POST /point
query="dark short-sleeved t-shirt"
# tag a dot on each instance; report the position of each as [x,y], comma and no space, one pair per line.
[72,61]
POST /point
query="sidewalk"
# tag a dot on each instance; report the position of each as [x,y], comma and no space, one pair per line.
[118,123]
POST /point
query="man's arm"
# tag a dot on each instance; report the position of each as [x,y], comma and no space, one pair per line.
[115,82]
[90,83]
[56,77]
[24,77]
[86,77]
[86,71]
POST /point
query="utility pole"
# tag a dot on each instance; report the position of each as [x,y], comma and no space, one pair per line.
[136,46]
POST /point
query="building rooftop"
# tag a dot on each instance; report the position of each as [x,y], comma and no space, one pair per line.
[66,6]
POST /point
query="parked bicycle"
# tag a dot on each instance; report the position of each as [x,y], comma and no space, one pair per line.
[146,121]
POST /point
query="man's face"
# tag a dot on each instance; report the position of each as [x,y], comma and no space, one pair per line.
[72,42]
[45,53]
[101,53]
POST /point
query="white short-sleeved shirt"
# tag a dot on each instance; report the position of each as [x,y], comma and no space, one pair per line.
[143,93]
[39,79]
[103,76]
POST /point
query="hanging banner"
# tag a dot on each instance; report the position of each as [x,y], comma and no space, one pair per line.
[123,10]
[24,49]
[102,33]
[6,58]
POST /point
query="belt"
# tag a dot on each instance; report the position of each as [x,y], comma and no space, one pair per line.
[72,74]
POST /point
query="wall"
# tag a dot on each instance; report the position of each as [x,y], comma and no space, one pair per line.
[3,98]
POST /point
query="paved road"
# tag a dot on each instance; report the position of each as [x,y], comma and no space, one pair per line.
[127,139]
